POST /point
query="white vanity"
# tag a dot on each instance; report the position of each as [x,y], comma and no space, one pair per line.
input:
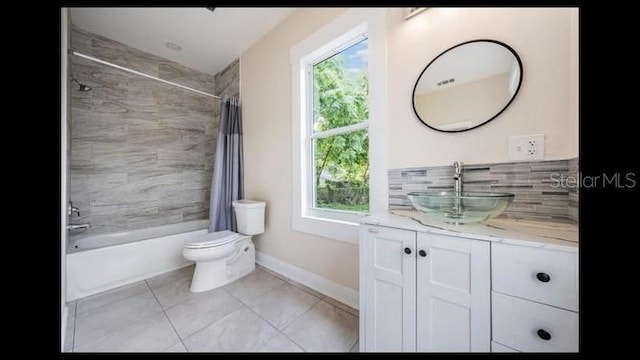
[503,285]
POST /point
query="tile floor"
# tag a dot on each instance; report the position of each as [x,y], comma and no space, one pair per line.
[261,312]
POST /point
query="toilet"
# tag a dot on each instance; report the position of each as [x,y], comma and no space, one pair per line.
[224,256]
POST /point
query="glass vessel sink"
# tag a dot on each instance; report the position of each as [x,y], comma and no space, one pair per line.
[464,207]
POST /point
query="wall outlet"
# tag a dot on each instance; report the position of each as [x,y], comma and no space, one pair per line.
[526,147]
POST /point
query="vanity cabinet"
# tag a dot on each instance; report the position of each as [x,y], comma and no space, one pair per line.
[534,298]
[432,291]
[423,291]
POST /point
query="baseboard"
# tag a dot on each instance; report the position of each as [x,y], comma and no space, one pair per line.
[321,284]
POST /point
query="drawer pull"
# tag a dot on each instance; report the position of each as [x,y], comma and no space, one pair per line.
[422,253]
[373,230]
[407,251]
[544,335]
[543,277]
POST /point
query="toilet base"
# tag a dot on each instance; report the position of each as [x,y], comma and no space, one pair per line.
[209,275]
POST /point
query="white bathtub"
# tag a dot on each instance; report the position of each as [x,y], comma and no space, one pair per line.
[100,262]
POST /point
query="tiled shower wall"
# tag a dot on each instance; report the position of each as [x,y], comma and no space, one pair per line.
[227,82]
[539,195]
[141,151]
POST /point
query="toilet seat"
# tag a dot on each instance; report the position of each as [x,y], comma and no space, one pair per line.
[214,239]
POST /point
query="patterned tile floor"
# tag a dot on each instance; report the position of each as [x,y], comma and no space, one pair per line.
[263,311]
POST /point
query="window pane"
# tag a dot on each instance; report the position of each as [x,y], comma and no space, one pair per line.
[341,176]
[340,88]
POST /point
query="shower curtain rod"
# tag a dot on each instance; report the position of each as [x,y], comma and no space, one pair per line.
[141,74]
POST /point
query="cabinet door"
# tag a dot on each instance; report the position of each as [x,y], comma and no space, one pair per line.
[453,294]
[388,288]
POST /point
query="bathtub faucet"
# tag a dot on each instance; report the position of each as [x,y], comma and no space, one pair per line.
[72,209]
[78,226]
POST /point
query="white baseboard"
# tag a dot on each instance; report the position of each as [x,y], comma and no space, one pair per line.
[321,284]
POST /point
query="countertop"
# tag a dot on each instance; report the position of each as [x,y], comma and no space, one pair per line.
[551,235]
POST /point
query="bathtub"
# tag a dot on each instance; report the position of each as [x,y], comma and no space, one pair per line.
[99,262]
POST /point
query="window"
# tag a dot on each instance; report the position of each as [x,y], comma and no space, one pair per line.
[338,107]
[338,136]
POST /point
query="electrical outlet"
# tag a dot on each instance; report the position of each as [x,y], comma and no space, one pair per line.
[526,147]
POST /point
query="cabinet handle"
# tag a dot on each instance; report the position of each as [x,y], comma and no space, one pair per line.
[543,277]
[373,230]
[422,253]
[407,251]
[544,334]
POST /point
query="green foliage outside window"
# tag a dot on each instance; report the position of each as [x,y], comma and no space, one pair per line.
[341,161]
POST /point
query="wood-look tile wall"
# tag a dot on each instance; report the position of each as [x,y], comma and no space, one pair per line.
[539,195]
[141,151]
[227,81]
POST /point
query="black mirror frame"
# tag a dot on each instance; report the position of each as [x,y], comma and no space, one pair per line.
[515,54]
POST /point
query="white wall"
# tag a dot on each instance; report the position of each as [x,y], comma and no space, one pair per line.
[544,39]
[546,104]
[574,85]
[265,90]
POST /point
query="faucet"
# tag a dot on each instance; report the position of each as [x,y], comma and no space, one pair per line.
[72,209]
[78,226]
[457,177]
[457,187]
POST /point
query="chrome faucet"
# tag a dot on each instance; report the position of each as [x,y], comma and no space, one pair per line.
[457,177]
[78,226]
[72,209]
[457,188]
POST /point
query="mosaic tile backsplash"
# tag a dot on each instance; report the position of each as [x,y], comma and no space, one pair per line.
[539,193]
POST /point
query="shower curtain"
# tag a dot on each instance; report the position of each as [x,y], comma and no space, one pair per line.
[227,183]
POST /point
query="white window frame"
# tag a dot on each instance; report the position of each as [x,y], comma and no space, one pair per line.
[344,30]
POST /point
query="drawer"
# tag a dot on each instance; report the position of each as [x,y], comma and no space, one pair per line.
[496,347]
[525,325]
[542,275]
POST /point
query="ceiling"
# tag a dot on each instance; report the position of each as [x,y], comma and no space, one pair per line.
[209,40]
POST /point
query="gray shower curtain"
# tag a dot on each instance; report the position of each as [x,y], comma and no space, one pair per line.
[227,183]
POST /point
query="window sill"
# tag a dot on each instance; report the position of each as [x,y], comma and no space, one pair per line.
[341,230]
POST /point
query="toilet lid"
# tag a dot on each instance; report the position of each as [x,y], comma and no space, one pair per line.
[213,239]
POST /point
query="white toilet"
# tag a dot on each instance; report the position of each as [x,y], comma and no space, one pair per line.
[224,256]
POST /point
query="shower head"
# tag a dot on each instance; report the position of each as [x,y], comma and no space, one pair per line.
[82,87]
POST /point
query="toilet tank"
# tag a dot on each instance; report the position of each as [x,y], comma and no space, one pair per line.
[249,216]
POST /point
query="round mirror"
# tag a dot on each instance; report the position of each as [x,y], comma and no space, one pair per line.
[467,85]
